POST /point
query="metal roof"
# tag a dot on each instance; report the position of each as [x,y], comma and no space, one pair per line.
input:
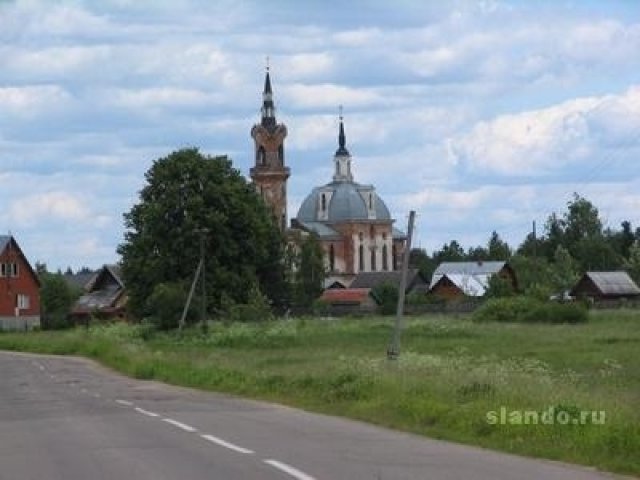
[324,231]
[479,270]
[470,285]
[345,204]
[614,283]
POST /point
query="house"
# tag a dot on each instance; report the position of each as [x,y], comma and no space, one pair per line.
[104,297]
[605,286]
[455,280]
[375,279]
[19,288]
[349,300]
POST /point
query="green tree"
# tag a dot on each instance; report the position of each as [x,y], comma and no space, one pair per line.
[564,271]
[499,287]
[56,299]
[184,193]
[632,264]
[451,252]
[581,221]
[418,258]
[497,249]
[309,271]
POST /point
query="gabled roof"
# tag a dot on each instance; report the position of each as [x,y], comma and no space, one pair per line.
[103,290]
[481,270]
[613,283]
[470,285]
[8,241]
[374,279]
[345,296]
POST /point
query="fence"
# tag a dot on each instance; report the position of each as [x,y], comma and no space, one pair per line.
[19,323]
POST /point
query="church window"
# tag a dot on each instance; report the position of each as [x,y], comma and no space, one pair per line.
[323,199]
[385,260]
[281,155]
[261,156]
[370,201]
[361,258]
[372,232]
[394,254]
[373,260]
[332,258]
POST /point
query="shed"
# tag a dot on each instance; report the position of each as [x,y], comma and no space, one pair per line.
[454,280]
[605,286]
[104,296]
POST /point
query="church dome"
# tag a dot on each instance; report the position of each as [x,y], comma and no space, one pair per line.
[343,201]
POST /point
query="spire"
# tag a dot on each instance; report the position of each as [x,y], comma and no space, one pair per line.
[342,139]
[342,157]
[268,109]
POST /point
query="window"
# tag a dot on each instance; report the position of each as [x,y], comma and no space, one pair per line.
[8,270]
[361,258]
[332,258]
[281,155]
[385,260]
[22,301]
[394,254]
[261,156]
[324,202]
[370,201]
[373,260]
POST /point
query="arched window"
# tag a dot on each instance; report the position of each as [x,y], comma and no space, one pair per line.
[385,260]
[372,232]
[323,199]
[332,258]
[370,201]
[361,258]
[281,155]
[394,254]
[261,160]
[373,260]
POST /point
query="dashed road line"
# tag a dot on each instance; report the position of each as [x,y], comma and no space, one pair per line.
[294,472]
[183,426]
[230,446]
[124,402]
[146,412]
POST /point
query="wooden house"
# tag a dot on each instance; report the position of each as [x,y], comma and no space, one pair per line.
[457,280]
[19,288]
[105,296]
[605,286]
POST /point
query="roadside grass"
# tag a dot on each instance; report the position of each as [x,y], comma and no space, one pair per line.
[450,375]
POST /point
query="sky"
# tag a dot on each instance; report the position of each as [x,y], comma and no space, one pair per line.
[478,115]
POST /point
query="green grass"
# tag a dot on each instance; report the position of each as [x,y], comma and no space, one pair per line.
[450,374]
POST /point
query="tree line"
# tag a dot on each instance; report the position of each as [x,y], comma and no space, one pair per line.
[571,243]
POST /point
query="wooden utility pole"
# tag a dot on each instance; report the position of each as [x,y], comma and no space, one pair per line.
[393,352]
[199,275]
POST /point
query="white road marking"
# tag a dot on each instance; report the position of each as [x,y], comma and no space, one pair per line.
[294,472]
[226,444]
[183,426]
[97,395]
[41,367]
[124,402]
[147,412]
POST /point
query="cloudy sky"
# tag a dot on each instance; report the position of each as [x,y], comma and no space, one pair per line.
[481,115]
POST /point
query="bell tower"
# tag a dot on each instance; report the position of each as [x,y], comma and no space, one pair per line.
[269,173]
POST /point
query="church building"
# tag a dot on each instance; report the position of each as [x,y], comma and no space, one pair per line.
[352,222]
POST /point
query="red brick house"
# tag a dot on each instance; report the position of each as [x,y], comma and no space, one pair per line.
[19,288]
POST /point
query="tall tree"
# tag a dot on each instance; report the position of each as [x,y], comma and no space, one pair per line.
[310,271]
[451,252]
[564,272]
[188,197]
[418,258]
[497,248]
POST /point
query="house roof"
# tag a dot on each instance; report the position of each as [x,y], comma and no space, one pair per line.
[613,283]
[103,290]
[323,230]
[79,280]
[354,296]
[480,270]
[374,279]
[470,285]
[8,240]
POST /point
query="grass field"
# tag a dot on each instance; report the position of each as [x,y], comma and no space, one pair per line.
[453,380]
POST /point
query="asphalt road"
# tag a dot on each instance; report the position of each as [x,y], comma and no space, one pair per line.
[65,418]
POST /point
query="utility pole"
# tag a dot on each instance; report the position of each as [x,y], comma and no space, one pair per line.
[199,275]
[393,352]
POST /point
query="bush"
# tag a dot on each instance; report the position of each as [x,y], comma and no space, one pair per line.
[257,309]
[557,313]
[387,297]
[529,310]
[166,304]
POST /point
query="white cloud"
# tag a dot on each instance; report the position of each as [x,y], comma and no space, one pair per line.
[541,142]
[31,209]
[30,100]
